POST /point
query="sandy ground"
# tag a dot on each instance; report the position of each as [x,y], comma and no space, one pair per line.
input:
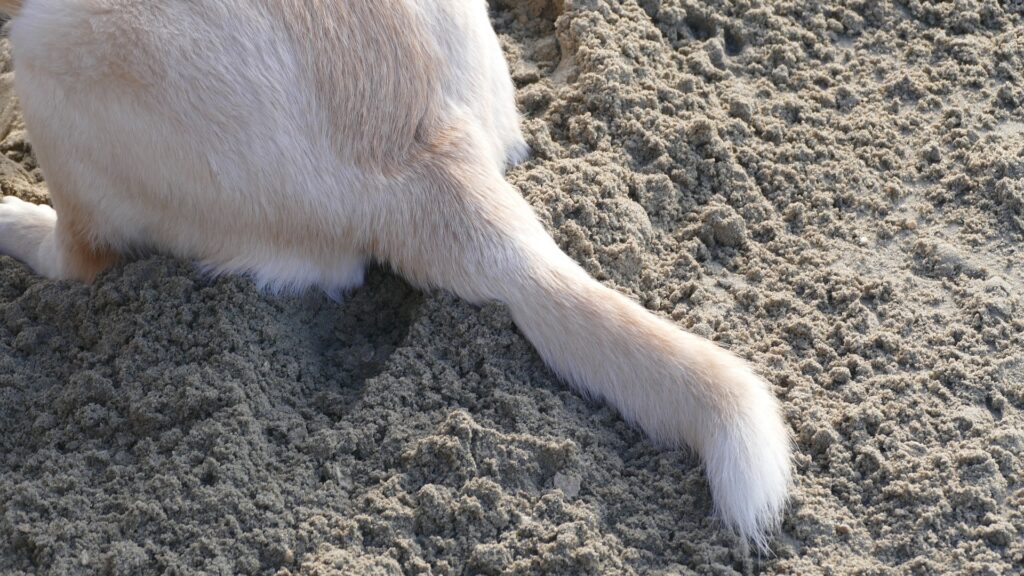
[836,193]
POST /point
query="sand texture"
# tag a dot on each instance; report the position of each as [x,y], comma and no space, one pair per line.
[834,192]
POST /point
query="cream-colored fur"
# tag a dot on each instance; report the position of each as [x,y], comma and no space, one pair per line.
[294,140]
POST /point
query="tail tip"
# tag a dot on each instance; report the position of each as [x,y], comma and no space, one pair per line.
[749,469]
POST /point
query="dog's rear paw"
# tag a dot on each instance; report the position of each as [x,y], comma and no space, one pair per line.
[23,223]
[11,206]
[26,233]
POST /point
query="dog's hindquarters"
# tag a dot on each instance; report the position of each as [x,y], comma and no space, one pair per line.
[411,178]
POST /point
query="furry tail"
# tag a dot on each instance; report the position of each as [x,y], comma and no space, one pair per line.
[10,7]
[470,232]
[679,388]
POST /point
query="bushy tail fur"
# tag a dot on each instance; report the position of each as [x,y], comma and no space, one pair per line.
[679,388]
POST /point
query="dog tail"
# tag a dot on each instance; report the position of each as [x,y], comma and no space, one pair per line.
[10,7]
[473,233]
[679,388]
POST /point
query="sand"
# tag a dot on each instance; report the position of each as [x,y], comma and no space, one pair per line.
[835,193]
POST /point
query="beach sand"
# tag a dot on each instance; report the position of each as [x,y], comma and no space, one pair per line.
[834,192]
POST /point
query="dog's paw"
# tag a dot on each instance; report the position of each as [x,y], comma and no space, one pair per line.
[14,212]
[25,230]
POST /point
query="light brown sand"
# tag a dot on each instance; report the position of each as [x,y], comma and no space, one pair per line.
[836,193]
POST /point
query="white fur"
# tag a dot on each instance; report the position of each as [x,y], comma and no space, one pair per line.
[210,130]
[27,233]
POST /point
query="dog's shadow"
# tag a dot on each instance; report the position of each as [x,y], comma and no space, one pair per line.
[158,345]
[354,337]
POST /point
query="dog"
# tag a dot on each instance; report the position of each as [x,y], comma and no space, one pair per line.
[294,141]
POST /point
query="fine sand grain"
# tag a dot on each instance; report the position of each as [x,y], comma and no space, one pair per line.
[835,193]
